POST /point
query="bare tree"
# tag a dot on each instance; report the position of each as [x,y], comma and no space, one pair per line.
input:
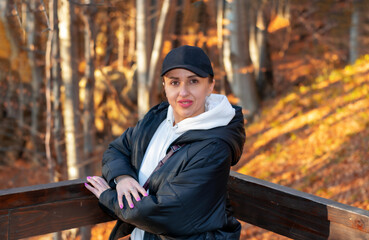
[52,92]
[141,53]
[166,17]
[146,74]
[132,33]
[127,41]
[31,30]
[56,92]
[237,62]
[48,91]
[71,112]
[13,26]
[356,18]
[9,80]
[229,27]
[71,99]
[220,17]
[88,105]
[121,41]
[264,71]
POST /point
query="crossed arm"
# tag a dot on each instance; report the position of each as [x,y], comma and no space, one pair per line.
[180,206]
[127,186]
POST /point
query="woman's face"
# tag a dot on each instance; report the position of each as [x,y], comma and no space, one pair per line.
[186,93]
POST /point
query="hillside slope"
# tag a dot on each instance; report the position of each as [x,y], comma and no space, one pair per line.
[314,137]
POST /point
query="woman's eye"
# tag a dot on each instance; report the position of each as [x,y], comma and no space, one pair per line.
[194,81]
[174,83]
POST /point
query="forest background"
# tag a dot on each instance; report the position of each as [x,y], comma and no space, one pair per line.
[75,74]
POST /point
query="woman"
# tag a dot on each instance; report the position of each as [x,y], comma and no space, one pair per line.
[186,198]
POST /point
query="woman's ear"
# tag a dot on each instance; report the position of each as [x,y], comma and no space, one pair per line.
[211,87]
[164,92]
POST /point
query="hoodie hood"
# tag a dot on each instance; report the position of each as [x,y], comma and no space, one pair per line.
[231,131]
[218,112]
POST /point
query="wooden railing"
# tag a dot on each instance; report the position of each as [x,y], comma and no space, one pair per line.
[41,209]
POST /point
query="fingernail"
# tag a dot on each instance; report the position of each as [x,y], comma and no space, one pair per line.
[138,199]
[146,194]
[131,206]
[121,206]
[86,184]
[88,177]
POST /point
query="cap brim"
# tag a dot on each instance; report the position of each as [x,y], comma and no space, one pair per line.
[193,69]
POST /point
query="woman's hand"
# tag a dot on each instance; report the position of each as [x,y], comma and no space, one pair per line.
[98,185]
[127,186]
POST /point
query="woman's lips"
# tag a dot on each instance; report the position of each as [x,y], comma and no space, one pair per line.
[185,103]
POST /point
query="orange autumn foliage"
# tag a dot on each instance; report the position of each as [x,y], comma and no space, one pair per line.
[314,138]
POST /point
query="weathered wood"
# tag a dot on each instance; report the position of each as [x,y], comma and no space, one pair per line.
[52,217]
[295,214]
[4,219]
[41,209]
[46,208]
[43,193]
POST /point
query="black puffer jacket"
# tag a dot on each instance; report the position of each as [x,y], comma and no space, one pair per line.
[188,194]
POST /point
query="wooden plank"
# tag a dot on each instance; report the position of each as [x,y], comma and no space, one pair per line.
[47,208]
[268,216]
[4,224]
[41,209]
[43,193]
[292,213]
[339,231]
[57,216]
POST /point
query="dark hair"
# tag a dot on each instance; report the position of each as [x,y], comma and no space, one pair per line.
[211,78]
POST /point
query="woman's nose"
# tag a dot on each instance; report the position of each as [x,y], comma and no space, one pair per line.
[183,91]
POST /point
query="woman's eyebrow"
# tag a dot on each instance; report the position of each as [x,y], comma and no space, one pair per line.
[172,77]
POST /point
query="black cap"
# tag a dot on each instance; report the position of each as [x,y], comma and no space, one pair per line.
[191,58]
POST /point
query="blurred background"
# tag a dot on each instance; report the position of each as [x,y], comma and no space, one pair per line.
[74,74]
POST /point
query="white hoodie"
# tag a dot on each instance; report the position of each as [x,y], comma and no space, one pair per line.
[218,112]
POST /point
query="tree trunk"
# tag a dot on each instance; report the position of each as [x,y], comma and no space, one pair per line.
[177,26]
[132,35]
[264,75]
[110,35]
[239,63]
[165,19]
[151,13]
[143,90]
[185,33]
[121,42]
[284,11]
[158,42]
[220,16]
[128,66]
[10,18]
[253,36]
[31,30]
[88,104]
[48,76]
[56,85]
[88,114]
[71,99]
[229,28]
[355,31]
